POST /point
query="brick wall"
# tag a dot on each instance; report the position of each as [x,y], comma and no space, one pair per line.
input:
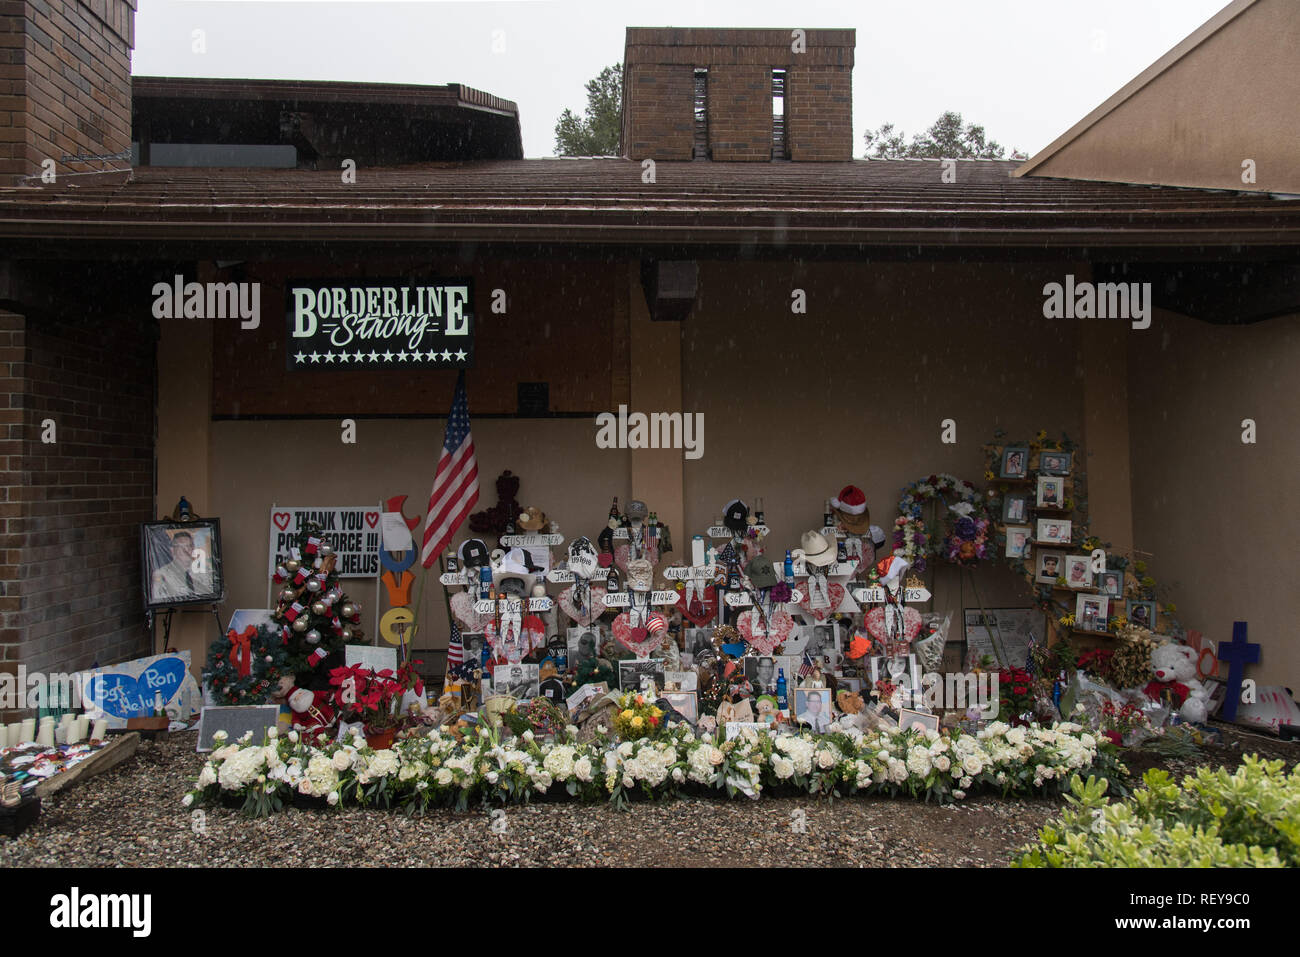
[819,113]
[659,65]
[70,591]
[65,82]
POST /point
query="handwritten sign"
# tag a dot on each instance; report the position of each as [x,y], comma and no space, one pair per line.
[128,690]
[620,599]
[530,541]
[511,606]
[676,573]
[353,533]
[876,595]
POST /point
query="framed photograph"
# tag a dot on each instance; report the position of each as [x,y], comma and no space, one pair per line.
[582,643]
[1054,463]
[584,694]
[182,562]
[631,671]
[519,681]
[697,641]
[763,672]
[1140,613]
[1091,612]
[1015,462]
[812,706]
[1053,531]
[908,680]
[1015,508]
[823,644]
[907,718]
[1078,571]
[800,635]
[1050,567]
[1218,689]
[686,703]
[474,643]
[1051,491]
[681,681]
[1018,540]
[853,685]
[1014,629]
[1112,583]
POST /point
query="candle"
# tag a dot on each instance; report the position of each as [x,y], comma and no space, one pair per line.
[45,737]
[13,734]
[73,734]
[28,730]
[101,730]
[83,726]
[65,719]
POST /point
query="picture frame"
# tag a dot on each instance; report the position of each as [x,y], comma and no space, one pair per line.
[632,670]
[762,672]
[686,703]
[1054,462]
[1051,491]
[1015,508]
[473,643]
[1049,567]
[1111,583]
[181,563]
[1092,613]
[681,681]
[1078,572]
[1053,531]
[519,681]
[581,643]
[818,719]
[697,640]
[1140,613]
[1018,541]
[909,681]
[823,644]
[1015,462]
[853,685]
[907,718]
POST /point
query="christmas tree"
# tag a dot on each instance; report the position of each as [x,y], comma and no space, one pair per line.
[316,618]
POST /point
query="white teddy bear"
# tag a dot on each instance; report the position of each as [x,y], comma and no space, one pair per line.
[1177,663]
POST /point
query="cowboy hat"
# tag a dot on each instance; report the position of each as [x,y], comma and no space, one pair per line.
[851,509]
[532,519]
[815,550]
[515,564]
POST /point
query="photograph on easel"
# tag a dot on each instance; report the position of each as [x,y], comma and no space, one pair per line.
[181,562]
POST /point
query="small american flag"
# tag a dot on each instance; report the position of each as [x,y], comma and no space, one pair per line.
[806,667]
[455,649]
[455,484]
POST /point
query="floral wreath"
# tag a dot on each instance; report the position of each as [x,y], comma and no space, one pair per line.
[245,668]
[966,527]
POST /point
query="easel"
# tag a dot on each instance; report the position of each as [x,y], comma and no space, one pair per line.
[168,614]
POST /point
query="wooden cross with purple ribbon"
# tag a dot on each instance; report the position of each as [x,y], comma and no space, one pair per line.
[1238,653]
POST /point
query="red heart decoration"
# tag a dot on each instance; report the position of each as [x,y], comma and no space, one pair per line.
[875,622]
[281,520]
[372,519]
[834,591]
[765,640]
[595,607]
[636,640]
[705,610]
[622,553]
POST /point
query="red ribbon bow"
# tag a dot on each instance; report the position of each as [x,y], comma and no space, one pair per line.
[241,650]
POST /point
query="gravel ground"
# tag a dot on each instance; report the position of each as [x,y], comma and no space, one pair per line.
[131,816]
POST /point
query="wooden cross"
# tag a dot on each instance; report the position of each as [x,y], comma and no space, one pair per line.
[1238,653]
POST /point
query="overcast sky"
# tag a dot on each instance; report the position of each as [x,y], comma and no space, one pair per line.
[1026,69]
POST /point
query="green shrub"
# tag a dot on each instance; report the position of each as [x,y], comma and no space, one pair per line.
[1248,818]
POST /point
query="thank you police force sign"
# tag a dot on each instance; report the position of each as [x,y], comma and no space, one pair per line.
[380,323]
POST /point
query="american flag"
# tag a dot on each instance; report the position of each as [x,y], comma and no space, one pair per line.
[805,669]
[455,649]
[455,484]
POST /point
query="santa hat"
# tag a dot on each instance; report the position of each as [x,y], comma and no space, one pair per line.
[851,501]
[891,569]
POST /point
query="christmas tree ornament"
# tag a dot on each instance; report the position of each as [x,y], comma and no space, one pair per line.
[349,610]
[313,585]
[288,594]
[346,633]
[326,551]
[313,637]
[292,565]
[318,607]
[301,624]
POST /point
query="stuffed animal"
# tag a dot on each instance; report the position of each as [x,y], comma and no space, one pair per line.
[1174,667]
[766,710]
[850,702]
[312,709]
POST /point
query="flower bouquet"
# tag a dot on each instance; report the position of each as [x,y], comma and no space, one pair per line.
[369,697]
[1015,695]
[637,717]
[537,715]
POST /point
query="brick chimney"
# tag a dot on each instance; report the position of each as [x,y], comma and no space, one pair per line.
[65,84]
[718,94]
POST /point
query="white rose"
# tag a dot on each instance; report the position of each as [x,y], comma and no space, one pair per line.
[272,732]
[340,761]
[528,735]
[443,777]
[678,776]
[942,762]
[628,780]
[958,794]
[187,800]
[972,764]
[825,759]
[333,798]
[582,768]
[715,757]
[293,737]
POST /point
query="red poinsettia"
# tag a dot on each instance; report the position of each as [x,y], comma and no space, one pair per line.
[367,696]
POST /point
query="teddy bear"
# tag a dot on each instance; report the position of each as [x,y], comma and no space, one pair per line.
[1174,667]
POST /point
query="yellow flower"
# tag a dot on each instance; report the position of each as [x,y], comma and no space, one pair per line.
[637,722]
[1042,434]
[1067,620]
[627,714]
[988,475]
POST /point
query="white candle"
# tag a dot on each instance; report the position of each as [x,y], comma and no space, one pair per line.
[101,730]
[13,734]
[45,737]
[28,730]
[73,734]
[65,719]
[83,726]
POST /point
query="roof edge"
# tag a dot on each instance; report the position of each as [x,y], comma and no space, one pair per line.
[1130,89]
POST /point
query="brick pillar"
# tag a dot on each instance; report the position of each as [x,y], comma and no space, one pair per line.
[12,538]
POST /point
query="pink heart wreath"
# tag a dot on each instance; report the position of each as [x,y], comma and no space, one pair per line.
[595,606]
[762,639]
[532,634]
[705,608]
[649,551]
[876,627]
[635,639]
[462,606]
[834,591]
